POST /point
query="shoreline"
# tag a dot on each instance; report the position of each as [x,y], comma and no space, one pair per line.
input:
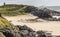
[45,25]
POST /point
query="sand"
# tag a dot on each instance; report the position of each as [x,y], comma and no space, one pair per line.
[53,26]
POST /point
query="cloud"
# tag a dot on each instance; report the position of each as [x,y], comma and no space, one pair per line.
[33,2]
[27,2]
[52,2]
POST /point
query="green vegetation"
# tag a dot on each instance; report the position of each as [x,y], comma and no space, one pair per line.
[1,34]
[4,22]
[12,10]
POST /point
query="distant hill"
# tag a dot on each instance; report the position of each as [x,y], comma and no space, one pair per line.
[13,10]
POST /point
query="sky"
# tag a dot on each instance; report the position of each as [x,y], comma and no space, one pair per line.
[32,2]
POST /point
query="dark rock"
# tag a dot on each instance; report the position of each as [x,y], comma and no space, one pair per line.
[10,31]
[25,28]
[21,31]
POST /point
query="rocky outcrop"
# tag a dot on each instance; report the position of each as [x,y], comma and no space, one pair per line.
[10,31]
[20,31]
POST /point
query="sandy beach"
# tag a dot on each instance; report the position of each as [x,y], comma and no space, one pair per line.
[52,26]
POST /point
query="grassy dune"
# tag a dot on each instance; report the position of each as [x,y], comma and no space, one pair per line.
[12,10]
[4,22]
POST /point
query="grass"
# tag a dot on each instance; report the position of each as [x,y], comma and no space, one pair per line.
[4,22]
[12,10]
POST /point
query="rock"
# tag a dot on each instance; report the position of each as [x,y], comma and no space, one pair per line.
[25,28]
[10,31]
